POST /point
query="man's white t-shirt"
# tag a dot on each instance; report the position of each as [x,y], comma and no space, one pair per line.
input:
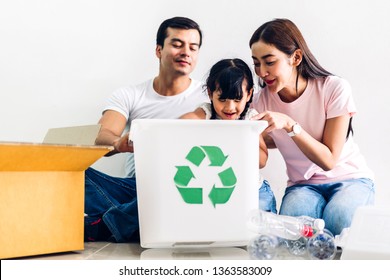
[143,102]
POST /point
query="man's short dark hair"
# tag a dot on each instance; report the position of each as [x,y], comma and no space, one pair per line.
[179,23]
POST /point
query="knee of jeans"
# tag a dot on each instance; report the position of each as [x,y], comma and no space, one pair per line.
[268,205]
[267,200]
[336,224]
[302,203]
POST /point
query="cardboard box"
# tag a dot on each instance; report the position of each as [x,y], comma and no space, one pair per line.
[42,197]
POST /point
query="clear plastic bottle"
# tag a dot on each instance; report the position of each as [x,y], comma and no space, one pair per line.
[287,227]
[322,245]
[263,247]
[299,247]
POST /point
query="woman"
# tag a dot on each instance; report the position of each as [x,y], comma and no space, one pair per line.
[309,113]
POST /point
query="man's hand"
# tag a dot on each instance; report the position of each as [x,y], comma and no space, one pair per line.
[123,145]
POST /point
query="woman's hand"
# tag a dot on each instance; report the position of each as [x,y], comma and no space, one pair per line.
[324,152]
[275,121]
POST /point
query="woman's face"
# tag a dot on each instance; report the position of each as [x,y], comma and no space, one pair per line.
[273,66]
[230,109]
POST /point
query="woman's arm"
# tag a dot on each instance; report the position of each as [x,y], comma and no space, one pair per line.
[324,153]
[327,152]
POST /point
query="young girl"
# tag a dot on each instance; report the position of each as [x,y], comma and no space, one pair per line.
[309,113]
[230,89]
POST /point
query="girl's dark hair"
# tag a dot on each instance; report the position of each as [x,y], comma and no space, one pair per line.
[286,37]
[227,75]
[178,23]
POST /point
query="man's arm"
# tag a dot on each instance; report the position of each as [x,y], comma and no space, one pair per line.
[113,125]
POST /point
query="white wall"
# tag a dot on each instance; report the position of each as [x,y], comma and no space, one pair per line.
[60,59]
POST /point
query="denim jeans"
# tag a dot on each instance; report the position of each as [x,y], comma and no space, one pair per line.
[113,200]
[267,201]
[334,202]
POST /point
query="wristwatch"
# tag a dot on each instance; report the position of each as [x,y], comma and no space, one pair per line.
[296,129]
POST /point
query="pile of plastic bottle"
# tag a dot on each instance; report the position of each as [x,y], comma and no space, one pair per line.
[279,236]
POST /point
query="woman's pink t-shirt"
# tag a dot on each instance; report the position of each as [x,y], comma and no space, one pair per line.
[323,98]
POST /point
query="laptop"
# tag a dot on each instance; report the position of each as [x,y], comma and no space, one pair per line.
[197,181]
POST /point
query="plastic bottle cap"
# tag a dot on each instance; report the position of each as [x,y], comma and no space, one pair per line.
[319,224]
[307,231]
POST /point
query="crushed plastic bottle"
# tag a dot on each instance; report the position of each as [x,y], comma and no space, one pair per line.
[301,236]
[322,245]
[287,227]
[263,247]
[297,247]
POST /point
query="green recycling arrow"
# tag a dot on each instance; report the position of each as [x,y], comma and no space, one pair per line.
[215,155]
[196,156]
[228,178]
[191,195]
[222,195]
[183,175]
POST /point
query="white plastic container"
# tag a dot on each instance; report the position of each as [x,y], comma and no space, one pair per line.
[368,237]
[189,194]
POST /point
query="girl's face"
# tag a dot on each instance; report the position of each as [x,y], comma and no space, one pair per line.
[230,109]
[274,67]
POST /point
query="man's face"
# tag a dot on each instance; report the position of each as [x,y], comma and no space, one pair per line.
[180,52]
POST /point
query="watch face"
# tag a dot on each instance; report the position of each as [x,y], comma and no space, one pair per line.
[297,128]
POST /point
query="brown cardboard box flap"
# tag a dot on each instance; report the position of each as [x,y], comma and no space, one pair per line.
[48,157]
[75,135]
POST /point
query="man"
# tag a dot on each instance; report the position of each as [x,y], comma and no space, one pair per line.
[110,202]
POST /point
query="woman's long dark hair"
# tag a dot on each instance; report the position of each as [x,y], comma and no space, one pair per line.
[286,37]
[227,75]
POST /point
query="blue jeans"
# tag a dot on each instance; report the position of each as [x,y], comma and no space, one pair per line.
[111,206]
[335,202]
[114,201]
[267,201]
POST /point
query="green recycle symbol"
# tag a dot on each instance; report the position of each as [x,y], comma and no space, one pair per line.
[194,195]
